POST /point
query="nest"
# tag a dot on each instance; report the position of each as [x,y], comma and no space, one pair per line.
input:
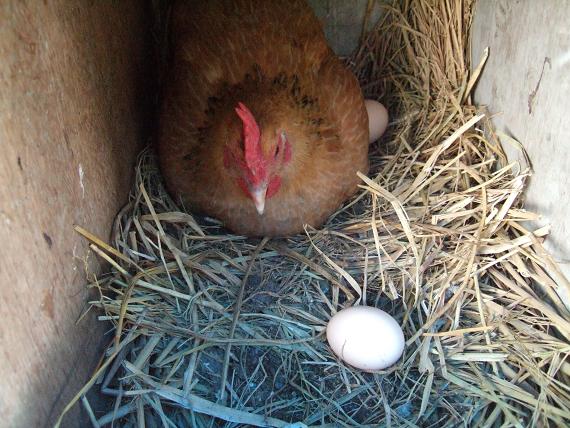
[213,329]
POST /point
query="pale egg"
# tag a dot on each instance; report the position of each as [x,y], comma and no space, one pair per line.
[377,119]
[365,337]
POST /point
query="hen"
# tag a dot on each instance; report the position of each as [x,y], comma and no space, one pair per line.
[261,125]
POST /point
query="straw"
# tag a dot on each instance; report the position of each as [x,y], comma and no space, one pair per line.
[437,236]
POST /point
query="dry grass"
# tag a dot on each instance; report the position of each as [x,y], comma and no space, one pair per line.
[208,324]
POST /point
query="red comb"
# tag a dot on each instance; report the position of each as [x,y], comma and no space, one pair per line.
[252,147]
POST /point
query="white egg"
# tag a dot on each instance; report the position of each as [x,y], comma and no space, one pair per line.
[365,337]
[377,119]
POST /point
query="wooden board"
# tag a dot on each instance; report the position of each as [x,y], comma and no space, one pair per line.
[72,109]
[527,84]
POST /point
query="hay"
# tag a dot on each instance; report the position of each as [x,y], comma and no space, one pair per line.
[209,324]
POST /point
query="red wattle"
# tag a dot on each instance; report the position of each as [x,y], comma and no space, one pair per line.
[273,187]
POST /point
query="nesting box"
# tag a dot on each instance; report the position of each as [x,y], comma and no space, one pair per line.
[77,102]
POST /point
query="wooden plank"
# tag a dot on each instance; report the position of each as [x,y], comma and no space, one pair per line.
[527,82]
[71,94]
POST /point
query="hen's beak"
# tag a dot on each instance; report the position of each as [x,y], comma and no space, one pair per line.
[258,196]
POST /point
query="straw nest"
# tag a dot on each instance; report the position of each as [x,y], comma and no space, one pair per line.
[212,329]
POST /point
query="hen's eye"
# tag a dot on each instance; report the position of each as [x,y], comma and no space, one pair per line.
[282,140]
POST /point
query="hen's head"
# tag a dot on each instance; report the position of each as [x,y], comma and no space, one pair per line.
[257,171]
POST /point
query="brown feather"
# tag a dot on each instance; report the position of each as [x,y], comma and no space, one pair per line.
[273,57]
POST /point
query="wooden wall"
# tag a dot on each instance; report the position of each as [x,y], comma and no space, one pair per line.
[73,93]
[526,84]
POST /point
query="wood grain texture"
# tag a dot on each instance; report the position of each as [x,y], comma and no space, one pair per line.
[527,83]
[71,98]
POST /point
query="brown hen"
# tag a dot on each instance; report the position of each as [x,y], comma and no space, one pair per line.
[261,125]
